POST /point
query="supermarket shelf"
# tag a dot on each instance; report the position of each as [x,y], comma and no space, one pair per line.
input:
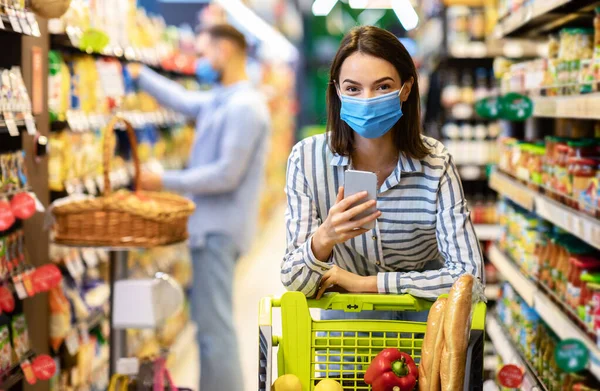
[31,29]
[64,42]
[15,374]
[492,292]
[488,231]
[496,48]
[550,312]
[510,188]
[509,354]
[581,225]
[541,16]
[511,272]
[577,107]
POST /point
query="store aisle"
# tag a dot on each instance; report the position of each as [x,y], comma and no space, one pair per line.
[257,276]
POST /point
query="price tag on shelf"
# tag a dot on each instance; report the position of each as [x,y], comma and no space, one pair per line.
[10,123]
[571,355]
[511,376]
[84,332]
[90,257]
[24,23]
[14,21]
[90,186]
[30,124]
[35,27]
[78,261]
[72,342]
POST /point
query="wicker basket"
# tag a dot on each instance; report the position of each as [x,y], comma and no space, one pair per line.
[123,218]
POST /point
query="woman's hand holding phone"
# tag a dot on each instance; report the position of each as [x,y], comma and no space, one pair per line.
[339,227]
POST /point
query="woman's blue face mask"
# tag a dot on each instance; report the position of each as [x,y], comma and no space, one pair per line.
[371,117]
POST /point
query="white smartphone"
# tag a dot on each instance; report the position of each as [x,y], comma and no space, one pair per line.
[359,181]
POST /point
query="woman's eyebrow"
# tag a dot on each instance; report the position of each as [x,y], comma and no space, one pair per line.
[383,79]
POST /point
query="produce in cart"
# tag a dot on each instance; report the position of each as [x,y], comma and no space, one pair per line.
[328,385]
[392,370]
[287,383]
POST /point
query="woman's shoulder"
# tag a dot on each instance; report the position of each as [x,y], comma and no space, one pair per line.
[438,153]
[315,145]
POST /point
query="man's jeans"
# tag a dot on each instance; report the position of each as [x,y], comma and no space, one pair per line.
[212,310]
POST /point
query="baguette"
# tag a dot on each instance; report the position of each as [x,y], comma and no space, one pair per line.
[456,333]
[434,325]
[444,369]
[434,378]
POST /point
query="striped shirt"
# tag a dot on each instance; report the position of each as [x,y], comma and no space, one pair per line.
[423,241]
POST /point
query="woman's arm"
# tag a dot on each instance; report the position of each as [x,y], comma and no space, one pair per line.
[456,241]
[307,263]
[301,270]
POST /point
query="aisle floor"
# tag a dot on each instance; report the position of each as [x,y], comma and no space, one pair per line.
[257,276]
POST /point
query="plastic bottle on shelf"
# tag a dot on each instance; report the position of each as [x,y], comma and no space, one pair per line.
[481,85]
[467,93]
[451,93]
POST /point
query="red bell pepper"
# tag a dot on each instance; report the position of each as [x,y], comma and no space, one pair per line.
[392,370]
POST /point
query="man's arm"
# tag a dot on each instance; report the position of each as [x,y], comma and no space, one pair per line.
[172,95]
[245,125]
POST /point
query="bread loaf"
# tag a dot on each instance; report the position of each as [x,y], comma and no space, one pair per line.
[434,326]
[444,367]
[457,326]
[434,378]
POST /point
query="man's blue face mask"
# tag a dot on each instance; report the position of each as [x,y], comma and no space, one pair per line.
[371,117]
[206,73]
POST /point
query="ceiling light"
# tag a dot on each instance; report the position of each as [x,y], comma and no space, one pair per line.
[323,7]
[258,27]
[406,14]
[359,4]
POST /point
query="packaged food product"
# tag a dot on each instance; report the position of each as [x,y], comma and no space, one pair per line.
[561,169]
[578,266]
[582,172]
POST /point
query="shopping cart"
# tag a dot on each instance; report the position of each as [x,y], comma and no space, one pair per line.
[310,349]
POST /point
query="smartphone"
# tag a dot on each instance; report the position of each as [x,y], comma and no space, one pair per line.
[359,181]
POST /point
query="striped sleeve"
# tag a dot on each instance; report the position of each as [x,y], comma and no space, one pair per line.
[457,243]
[300,269]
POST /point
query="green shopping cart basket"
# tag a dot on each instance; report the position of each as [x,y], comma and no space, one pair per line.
[342,349]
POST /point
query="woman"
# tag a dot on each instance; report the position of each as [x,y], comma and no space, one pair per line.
[424,239]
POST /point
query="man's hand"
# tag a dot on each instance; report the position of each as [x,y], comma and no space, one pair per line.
[150,181]
[134,69]
[347,281]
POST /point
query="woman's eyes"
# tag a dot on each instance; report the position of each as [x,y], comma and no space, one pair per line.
[384,87]
[351,89]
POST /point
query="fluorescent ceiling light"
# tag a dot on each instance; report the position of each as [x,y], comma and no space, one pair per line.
[371,4]
[406,14]
[359,4]
[323,7]
[258,27]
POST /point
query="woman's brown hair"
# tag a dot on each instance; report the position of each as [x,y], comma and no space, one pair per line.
[382,44]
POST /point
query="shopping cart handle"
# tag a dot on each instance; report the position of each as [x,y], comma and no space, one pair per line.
[370,302]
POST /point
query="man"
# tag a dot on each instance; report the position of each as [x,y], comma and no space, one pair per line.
[224,180]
